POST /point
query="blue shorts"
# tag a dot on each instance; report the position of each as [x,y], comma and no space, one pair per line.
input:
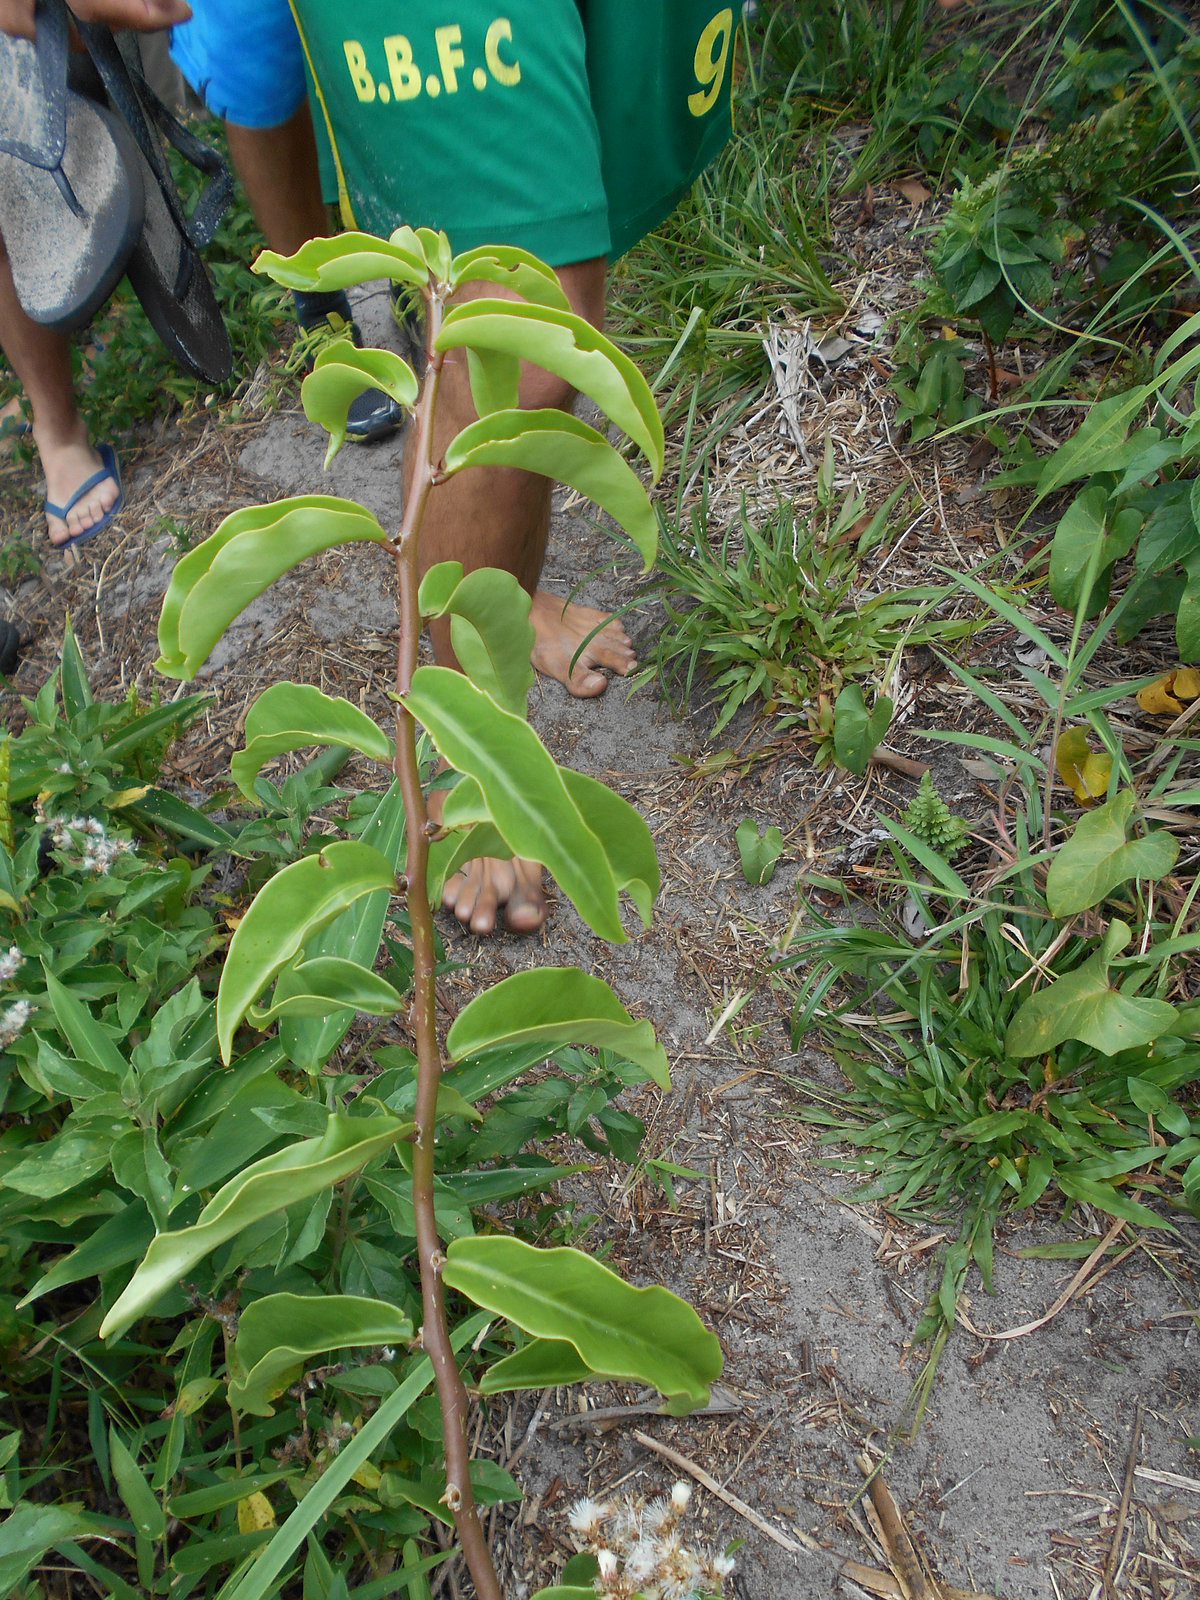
[257,84]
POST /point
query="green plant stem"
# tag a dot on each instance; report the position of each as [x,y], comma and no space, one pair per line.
[435,1333]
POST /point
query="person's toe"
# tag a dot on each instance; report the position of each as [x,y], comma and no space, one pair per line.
[585,683]
[526,907]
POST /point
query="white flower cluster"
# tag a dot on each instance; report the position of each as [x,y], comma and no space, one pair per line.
[11,963]
[89,840]
[641,1553]
[12,1019]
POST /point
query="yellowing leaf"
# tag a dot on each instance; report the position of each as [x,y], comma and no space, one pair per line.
[126,797]
[1084,771]
[368,1476]
[255,1513]
[1165,697]
[1157,699]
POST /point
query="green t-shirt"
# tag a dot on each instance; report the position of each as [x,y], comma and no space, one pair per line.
[569,134]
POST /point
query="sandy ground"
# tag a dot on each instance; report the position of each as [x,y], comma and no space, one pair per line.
[1014,1483]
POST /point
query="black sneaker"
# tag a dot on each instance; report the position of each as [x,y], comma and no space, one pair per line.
[373,415]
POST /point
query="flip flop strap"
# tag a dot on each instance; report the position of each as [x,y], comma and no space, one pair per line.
[133,99]
[50,53]
[62,512]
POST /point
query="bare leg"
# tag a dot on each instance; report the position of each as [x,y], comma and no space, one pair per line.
[500,517]
[41,360]
[278,170]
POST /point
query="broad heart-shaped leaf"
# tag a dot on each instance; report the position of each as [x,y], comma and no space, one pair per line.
[1081,1005]
[251,548]
[541,1364]
[1083,537]
[340,262]
[513,269]
[340,374]
[758,851]
[646,1335]
[1097,445]
[279,1333]
[292,906]
[568,346]
[524,791]
[257,1191]
[856,731]
[489,628]
[556,1005]
[324,984]
[1187,617]
[288,716]
[354,936]
[1098,856]
[559,446]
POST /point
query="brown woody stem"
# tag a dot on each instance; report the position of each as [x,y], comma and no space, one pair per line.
[452,1396]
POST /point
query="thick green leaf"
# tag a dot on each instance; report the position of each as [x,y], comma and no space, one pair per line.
[1097,445]
[120,1239]
[647,1335]
[57,1165]
[556,1005]
[256,1192]
[217,580]
[559,446]
[88,1038]
[523,788]
[141,1502]
[325,984]
[287,911]
[257,1582]
[288,716]
[28,1531]
[162,809]
[626,838]
[341,372]
[513,269]
[1187,617]
[280,1332]
[1078,541]
[354,936]
[1098,856]
[1082,1005]
[489,628]
[347,259]
[434,246]
[759,851]
[569,346]
[541,1364]
[73,682]
[1107,1198]
[856,731]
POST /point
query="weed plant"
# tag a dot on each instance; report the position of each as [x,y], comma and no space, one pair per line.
[114,1109]
[774,609]
[1029,1028]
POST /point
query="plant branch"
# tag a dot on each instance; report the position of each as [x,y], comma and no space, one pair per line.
[452,1396]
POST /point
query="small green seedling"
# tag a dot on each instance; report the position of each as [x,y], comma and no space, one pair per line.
[759,849]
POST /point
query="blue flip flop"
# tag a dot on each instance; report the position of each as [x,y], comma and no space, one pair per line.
[110,469]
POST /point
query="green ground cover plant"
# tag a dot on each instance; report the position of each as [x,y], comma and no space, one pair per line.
[770,611]
[261,1287]
[1025,1026]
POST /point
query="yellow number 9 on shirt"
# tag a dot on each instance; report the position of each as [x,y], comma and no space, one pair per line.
[712,54]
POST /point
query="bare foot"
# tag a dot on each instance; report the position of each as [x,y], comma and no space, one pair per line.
[558,633]
[476,893]
[66,466]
